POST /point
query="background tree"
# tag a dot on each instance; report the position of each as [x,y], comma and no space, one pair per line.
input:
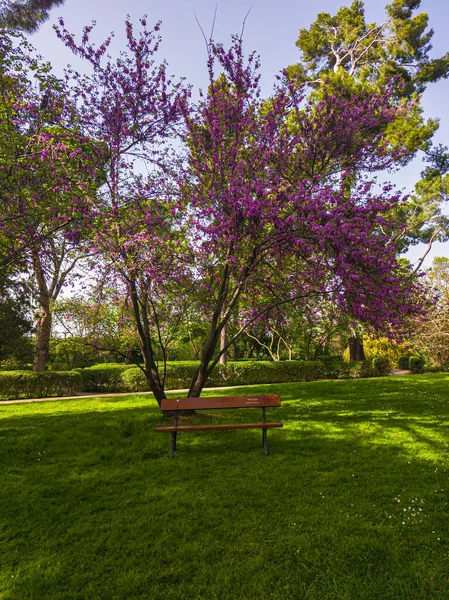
[48,178]
[425,221]
[373,55]
[344,52]
[15,318]
[96,326]
[432,334]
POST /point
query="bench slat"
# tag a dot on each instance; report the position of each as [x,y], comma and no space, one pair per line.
[222,426]
[221,402]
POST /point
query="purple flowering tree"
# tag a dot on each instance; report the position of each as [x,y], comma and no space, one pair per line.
[132,106]
[267,189]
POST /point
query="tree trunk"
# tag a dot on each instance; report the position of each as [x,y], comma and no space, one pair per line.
[223,342]
[207,353]
[152,376]
[43,327]
[356,351]
[146,348]
[43,331]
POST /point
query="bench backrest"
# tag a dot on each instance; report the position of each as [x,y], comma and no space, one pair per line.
[221,402]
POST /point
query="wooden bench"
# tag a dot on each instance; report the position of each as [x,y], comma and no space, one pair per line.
[177,404]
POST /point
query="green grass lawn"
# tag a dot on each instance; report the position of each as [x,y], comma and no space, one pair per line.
[352,503]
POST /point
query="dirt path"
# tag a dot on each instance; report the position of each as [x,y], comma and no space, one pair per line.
[400,372]
[100,395]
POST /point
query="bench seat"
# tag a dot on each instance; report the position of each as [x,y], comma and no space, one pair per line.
[222,426]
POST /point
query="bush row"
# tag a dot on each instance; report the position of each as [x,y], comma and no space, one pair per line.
[128,378]
[26,384]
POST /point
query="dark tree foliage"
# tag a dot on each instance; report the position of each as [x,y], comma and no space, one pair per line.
[14,327]
[15,321]
[426,212]
[26,15]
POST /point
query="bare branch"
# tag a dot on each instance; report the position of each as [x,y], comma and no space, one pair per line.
[429,247]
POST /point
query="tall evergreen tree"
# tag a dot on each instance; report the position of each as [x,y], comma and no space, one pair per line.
[347,52]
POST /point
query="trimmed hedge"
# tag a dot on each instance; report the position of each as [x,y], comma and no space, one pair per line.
[240,373]
[177,376]
[332,365]
[43,384]
[416,364]
[115,377]
[180,374]
[129,378]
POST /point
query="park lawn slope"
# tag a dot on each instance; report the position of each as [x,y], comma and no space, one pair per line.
[351,503]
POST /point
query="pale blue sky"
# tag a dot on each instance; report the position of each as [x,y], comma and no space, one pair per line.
[271,29]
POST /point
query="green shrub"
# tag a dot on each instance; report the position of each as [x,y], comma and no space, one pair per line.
[104,378]
[133,380]
[381,366]
[341,371]
[416,364]
[360,369]
[43,384]
[403,362]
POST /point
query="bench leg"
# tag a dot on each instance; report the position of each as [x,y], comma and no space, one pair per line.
[264,441]
[264,434]
[173,444]
[173,435]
